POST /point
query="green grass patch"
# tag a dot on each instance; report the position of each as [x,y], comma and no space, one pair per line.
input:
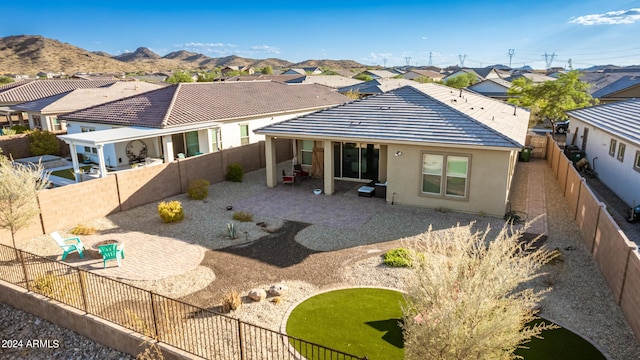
[68,173]
[559,344]
[362,322]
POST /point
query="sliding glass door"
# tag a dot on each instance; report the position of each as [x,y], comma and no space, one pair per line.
[356,161]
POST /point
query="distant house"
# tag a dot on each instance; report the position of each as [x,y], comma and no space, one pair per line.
[536,78]
[186,119]
[29,90]
[426,74]
[431,145]
[43,113]
[493,88]
[332,81]
[609,134]
[233,68]
[376,86]
[624,88]
[377,74]
[303,71]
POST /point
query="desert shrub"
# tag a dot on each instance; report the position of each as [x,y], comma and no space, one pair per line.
[43,143]
[231,230]
[9,132]
[19,129]
[277,300]
[60,288]
[198,189]
[171,211]
[399,257]
[242,216]
[234,172]
[81,229]
[231,301]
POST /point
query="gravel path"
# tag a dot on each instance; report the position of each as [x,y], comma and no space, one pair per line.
[309,258]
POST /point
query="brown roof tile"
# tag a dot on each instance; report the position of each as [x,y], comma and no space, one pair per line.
[37,89]
[189,103]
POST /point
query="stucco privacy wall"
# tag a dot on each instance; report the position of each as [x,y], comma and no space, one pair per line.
[18,146]
[106,333]
[487,179]
[69,205]
[616,256]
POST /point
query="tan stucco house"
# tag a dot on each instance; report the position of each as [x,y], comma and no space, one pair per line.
[432,145]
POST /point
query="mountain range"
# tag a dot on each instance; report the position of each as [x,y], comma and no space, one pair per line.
[30,54]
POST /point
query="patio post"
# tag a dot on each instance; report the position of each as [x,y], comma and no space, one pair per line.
[103,166]
[74,161]
[270,161]
[328,167]
[167,148]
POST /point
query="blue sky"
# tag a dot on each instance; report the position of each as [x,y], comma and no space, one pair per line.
[370,32]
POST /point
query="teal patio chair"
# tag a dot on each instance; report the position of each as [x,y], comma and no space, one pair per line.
[69,245]
[111,252]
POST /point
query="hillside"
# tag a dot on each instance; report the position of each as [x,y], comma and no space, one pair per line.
[26,54]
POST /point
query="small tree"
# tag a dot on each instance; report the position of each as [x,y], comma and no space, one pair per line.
[43,143]
[466,299]
[19,186]
[179,76]
[5,80]
[363,77]
[267,70]
[461,81]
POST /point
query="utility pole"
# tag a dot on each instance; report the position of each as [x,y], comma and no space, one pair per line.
[462,58]
[548,59]
[570,65]
[408,60]
[384,60]
[430,58]
[511,53]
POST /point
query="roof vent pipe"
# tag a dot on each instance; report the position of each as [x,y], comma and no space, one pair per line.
[514,110]
[460,92]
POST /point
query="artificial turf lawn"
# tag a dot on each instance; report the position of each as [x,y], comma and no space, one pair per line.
[362,322]
[559,344]
[68,173]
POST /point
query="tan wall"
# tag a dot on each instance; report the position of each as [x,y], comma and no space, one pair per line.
[102,331]
[615,255]
[70,205]
[18,146]
[563,168]
[489,172]
[539,144]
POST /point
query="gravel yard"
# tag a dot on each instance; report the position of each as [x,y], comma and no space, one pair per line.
[308,258]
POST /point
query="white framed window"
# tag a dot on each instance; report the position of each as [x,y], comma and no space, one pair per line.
[215,139]
[445,175]
[244,134]
[306,151]
[636,161]
[89,149]
[612,147]
[621,148]
[57,125]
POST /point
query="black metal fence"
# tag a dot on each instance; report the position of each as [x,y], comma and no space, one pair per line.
[199,331]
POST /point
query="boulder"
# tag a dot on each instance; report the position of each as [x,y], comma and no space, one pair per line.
[278,290]
[257,295]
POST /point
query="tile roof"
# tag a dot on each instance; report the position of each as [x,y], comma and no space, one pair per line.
[623,83]
[420,113]
[332,81]
[38,89]
[376,86]
[620,118]
[84,98]
[189,103]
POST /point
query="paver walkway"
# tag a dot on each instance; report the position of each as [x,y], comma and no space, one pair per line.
[527,195]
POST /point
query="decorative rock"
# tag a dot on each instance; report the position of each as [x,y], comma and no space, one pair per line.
[257,295]
[278,290]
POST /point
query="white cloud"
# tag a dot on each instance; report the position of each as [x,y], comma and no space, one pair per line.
[610,18]
[266,48]
[424,38]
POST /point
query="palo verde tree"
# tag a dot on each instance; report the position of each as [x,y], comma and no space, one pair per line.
[19,186]
[466,298]
[551,99]
[179,76]
[461,81]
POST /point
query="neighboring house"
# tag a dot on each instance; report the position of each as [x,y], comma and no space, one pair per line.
[28,90]
[43,113]
[332,81]
[186,119]
[378,74]
[232,68]
[303,71]
[609,134]
[433,146]
[463,71]
[493,88]
[427,74]
[624,88]
[534,77]
[376,86]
